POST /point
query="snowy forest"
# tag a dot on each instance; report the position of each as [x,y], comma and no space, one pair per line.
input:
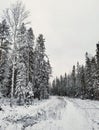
[31,98]
[25,69]
[83,82]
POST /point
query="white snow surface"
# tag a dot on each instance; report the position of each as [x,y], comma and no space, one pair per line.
[56,113]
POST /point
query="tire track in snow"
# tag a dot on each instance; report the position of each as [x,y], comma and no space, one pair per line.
[52,113]
[91,109]
[71,118]
[74,118]
[57,113]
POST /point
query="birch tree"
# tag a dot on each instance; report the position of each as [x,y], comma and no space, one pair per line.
[15,16]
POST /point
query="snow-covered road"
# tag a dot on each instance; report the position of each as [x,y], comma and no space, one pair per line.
[71,118]
[57,113]
[74,118]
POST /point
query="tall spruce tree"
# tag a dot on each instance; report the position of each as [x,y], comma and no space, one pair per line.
[20,90]
[96,75]
[5,63]
[78,80]
[30,52]
[73,78]
[42,69]
[21,69]
[88,77]
[83,83]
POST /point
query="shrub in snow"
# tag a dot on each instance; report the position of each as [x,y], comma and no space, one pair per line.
[29,94]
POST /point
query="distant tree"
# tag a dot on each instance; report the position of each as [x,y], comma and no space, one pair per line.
[58,85]
[83,82]
[69,85]
[78,80]
[73,80]
[88,77]
[65,84]
[54,88]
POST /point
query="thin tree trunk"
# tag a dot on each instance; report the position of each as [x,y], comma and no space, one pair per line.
[11,102]
[12,86]
[13,69]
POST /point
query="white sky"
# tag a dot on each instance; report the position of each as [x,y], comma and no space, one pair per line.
[70,27]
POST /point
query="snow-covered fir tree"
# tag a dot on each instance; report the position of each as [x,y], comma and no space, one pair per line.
[30,58]
[78,79]
[88,74]
[5,63]
[96,74]
[73,81]
[20,82]
[83,82]
[26,70]
[22,64]
[42,69]
[29,93]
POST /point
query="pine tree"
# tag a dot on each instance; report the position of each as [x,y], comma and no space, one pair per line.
[25,58]
[69,86]
[42,69]
[54,88]
[30,52]
[73,78]
[65,84]
[5,63]
[20,82]
[88,74]
[58,85]
[78,80]
[83,82]
[21,70]
[96,74]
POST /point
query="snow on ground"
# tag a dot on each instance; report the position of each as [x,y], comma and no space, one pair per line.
[91,109]
[56,113]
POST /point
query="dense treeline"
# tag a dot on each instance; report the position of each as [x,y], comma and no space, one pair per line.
[24,65]
[83,81]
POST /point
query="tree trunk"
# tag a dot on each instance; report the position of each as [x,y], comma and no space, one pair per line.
[12,86]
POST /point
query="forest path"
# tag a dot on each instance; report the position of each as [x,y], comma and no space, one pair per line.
[69,117]
[56,113]
[74,118]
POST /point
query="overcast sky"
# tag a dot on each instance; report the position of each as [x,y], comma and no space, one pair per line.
[70,27]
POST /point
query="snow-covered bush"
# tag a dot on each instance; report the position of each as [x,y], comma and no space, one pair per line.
[29,94]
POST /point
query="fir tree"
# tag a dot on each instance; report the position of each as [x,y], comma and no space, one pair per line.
[20,82]
[96,74]
[73,78]
[42,69]
[5,63]
[83,82]
[30,52]
[88,77]
[21,69]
